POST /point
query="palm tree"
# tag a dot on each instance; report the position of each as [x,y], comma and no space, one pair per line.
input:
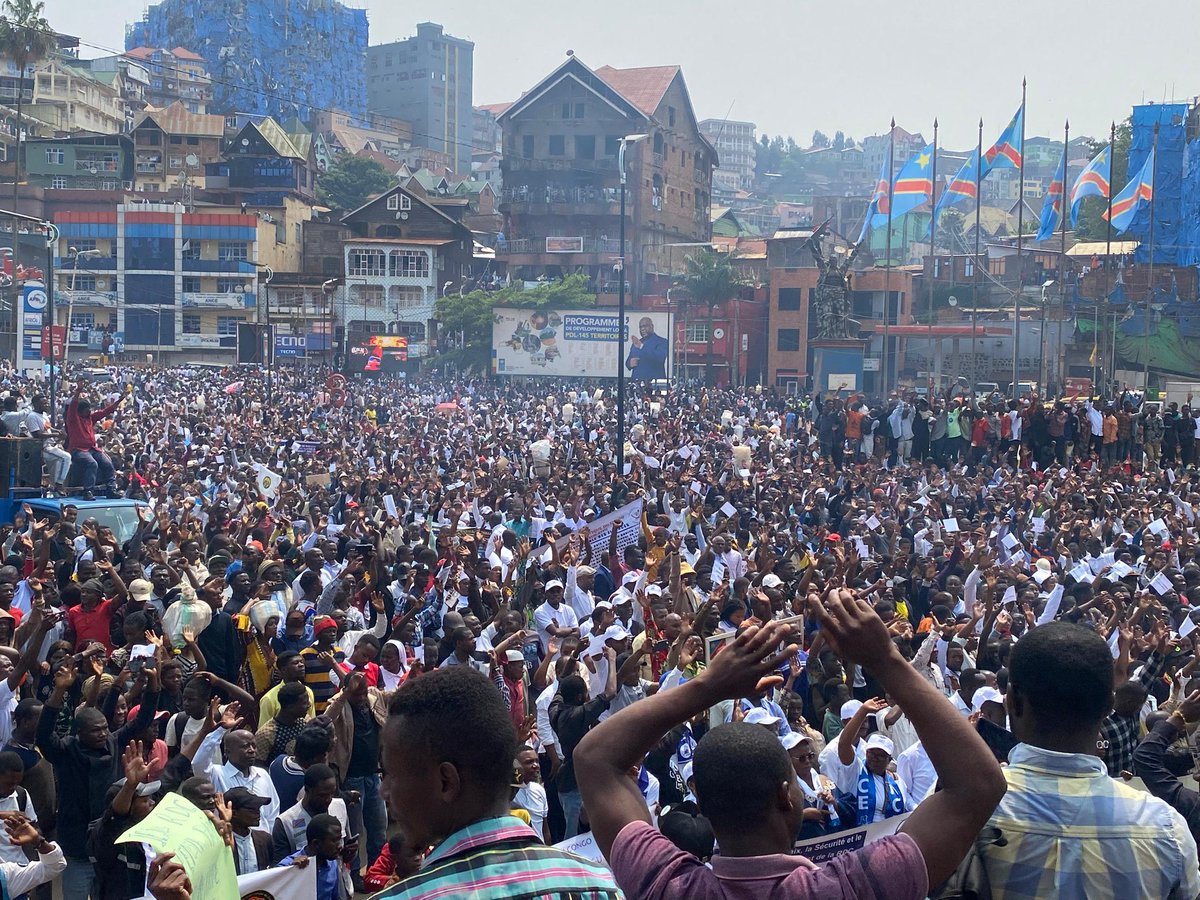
[26,38]
[710,279]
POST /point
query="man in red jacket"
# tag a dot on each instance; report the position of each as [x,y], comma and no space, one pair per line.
[81,442]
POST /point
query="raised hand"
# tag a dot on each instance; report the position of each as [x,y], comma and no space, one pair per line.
[746,664]
[168,880]
[136,769]
[230,718]
[853,629]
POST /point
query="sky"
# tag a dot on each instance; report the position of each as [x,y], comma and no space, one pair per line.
[794,67]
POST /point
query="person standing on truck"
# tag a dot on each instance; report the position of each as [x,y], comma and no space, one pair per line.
[56,459]
[81,442]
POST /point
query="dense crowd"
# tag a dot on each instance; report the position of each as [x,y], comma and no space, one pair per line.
[413,634]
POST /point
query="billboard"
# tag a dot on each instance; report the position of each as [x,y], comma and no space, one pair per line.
[378,354]
[580,343]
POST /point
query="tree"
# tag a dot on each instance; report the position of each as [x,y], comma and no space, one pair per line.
[709,280]
[839,140]
[26,38]
[470,315]
[351,181]
[950,229]
[820,139]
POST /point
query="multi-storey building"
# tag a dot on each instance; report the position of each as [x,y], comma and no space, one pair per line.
[173,146]
[263,162]
[68,97]
[561,196]
[99,162]
[402,253]
[427,80]
[169,282]
[176,76]
[876,147]
[737,149]
[270,57]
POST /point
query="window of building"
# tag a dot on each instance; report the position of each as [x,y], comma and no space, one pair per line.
[697,333]
[227,326]
[176,139]
[788,340]
[612,145]
[191,324]
[55,156]
[585,146]
[408,264]
[406,297]
[58,182]
[175,162]
[671,116]
[191,284]
[558,145]
[366,262]
[82,321]
[231,285]
[231,121]
[84,244]
[393,201]
[367,294]
[193,141]
[82,282]
[789,299]
[527,146]
[191,248]
[414,331]
[232,250]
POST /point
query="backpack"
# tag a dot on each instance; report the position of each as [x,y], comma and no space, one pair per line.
[970,881]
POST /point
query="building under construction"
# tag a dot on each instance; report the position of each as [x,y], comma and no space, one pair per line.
[274,57]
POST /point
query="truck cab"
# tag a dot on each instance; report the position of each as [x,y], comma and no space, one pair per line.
[119,515]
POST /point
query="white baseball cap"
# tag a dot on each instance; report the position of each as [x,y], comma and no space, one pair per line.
[759,716]
[615,633]
[983,695]
[771,580]
[553,583]
[878,742]
[849,708]
[792,738]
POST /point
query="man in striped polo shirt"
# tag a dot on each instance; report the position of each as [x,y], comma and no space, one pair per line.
[323,669]
[448,749]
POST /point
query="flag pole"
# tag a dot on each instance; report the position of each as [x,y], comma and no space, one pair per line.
[887,272]
[1150,292]
[1020,241]
[975,266]
[1062,212]
[934,371]
[1112,173]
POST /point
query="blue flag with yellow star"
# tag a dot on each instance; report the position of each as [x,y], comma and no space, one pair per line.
[913,186]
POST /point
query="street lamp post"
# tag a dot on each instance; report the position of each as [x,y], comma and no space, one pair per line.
[627,139]
[270,348]
[327,288]
[76,255]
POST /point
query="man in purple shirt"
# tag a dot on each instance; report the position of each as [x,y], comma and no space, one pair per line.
[747,789]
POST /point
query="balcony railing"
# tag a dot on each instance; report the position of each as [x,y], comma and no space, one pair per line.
[582,245]
[146,168]
[557,194]
[100,165]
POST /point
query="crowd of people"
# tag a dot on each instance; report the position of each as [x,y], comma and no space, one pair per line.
[414,634]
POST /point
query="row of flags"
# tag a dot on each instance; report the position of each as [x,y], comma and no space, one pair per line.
[913,185]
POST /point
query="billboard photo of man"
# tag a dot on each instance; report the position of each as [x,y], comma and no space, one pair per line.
[648,356]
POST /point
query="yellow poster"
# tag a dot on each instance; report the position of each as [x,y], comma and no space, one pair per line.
[178,827]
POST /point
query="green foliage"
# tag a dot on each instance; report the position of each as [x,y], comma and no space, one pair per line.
[709,280]
[351,181]
[25,35]
[471,315]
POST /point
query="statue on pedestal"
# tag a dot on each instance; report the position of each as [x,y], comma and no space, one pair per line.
[832,296]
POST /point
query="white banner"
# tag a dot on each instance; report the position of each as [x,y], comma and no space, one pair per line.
[583,845]
[286,883]
[629,519]
[822,849]
[575,343]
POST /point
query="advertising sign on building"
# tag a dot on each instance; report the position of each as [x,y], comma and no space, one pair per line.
[577,343]
[33,311]
[564,245]
[291,346]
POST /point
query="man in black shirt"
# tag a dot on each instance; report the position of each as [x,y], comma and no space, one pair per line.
[358,713]
[572,715]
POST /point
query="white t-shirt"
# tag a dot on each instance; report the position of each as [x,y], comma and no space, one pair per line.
[532,798]
[564,616]
[10,852]
[8,708]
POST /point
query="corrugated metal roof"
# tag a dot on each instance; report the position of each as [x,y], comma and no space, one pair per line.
[495,108]
[177,119]
[1099,248]
[643,87]
[785,233]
